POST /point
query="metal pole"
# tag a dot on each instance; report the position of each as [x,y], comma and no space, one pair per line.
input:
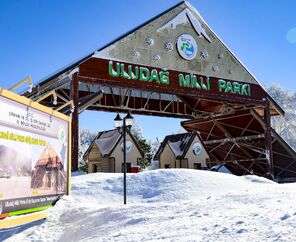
[124,161]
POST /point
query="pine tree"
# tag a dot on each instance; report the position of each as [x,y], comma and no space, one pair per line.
[143,143]
[285,125]
[146,147]
[85,139]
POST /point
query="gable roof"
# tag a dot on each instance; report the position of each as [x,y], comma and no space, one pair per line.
[178,143]
[183,14]
[107,141]
[48,157]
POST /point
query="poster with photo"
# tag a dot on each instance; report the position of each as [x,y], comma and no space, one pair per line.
[33,157]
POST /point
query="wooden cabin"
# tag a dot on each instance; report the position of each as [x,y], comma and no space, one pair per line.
[49,171]
[105,153]
[184,150]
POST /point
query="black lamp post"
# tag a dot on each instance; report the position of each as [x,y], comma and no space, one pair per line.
[123,125]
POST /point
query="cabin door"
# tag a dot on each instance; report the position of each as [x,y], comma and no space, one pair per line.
[197,166]
[128,167]
[95,168]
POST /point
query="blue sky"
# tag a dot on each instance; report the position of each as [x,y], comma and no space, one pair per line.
[39,37]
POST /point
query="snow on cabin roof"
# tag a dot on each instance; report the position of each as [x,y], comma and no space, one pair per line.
[175,147]
[179,144]
[108,140]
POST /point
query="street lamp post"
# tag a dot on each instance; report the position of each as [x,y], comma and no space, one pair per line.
[123,125]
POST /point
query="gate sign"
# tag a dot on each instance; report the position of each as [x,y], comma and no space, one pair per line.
[123,74]
[34,155]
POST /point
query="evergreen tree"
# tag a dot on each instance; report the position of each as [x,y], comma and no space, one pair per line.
[85,139]
[285,125]
[145,146]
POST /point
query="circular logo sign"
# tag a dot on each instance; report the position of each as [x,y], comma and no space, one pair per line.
[62,135]
[128,146]
[187,46]
[197,148]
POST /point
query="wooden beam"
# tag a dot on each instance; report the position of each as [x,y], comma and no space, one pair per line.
[250,137]
[268,138]
[91,99]
[228,135]
[75,121]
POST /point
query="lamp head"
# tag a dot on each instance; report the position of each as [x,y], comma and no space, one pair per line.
[129,119]
[118,121]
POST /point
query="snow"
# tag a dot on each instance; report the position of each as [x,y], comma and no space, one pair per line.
[175,146]
[220,168]
[107,141]
[170,205]
[185,17]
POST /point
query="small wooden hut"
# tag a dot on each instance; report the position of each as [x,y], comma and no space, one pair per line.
[49,171]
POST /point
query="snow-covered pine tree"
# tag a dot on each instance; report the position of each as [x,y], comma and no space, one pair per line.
[285,126]
[85,139]
[154,148]
[136,131]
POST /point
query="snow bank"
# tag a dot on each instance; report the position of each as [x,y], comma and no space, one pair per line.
[170,205]
[159,186]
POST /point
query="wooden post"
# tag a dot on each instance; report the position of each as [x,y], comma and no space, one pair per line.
[75,122]
[268,138]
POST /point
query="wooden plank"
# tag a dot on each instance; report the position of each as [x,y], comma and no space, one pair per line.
[250,137]
[22,219]
[75,121]
[268,138]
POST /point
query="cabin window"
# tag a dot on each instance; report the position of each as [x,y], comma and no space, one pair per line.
[197,166]
[166,166]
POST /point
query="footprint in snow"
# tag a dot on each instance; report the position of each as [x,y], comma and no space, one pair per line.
[135,221]
[195,214]
[240,231]
[286,216]
[239,222]
[224,231]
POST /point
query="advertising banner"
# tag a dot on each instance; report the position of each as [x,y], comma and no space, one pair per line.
[34,156]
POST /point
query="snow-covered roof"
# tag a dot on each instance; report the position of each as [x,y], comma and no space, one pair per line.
[106,142]
[178,143]
[175,147]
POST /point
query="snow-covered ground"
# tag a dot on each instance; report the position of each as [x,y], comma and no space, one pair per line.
[170,205]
